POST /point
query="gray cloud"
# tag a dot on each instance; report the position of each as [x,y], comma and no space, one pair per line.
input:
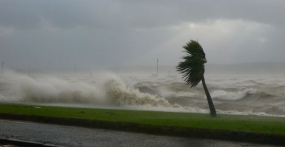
[110,33]
[132,13]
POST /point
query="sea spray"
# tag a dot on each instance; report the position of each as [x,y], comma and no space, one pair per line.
[118,92]
[109,90]
[46,89]
[245,95]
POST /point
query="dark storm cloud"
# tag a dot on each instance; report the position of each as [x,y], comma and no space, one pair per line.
[134,13]
[60,13]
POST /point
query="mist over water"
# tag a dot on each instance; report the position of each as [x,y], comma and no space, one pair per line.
[232,94]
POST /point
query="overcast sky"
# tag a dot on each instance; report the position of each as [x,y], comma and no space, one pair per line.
[95,34]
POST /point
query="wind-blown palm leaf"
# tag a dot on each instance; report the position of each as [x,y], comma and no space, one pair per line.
[192,67]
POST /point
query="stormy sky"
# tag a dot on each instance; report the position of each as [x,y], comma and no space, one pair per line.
[96,34]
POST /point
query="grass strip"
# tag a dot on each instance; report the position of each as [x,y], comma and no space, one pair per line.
[258,129]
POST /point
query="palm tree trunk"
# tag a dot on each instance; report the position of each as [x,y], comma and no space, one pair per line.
[210,102]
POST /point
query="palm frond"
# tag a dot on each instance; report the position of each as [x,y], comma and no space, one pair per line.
[192,68]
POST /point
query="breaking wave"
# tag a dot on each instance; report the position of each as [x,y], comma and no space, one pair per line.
[263,97]
[109,90]
[118,92]
[238,95]
[168,93]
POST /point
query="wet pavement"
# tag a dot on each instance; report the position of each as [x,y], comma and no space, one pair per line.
[84,137]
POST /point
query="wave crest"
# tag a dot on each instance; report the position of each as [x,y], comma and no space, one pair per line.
[117,92]
[233,96]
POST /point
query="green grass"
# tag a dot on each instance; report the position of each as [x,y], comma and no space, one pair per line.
[261,124]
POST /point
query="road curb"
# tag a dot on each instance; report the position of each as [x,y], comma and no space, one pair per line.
[18,142]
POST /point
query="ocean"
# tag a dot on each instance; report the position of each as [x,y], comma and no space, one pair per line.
[232,94]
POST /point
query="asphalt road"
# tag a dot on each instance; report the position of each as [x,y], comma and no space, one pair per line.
[83,137]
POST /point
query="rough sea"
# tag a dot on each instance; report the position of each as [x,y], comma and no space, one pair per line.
[232,94]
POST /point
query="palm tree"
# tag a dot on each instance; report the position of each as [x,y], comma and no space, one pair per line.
[193,69]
